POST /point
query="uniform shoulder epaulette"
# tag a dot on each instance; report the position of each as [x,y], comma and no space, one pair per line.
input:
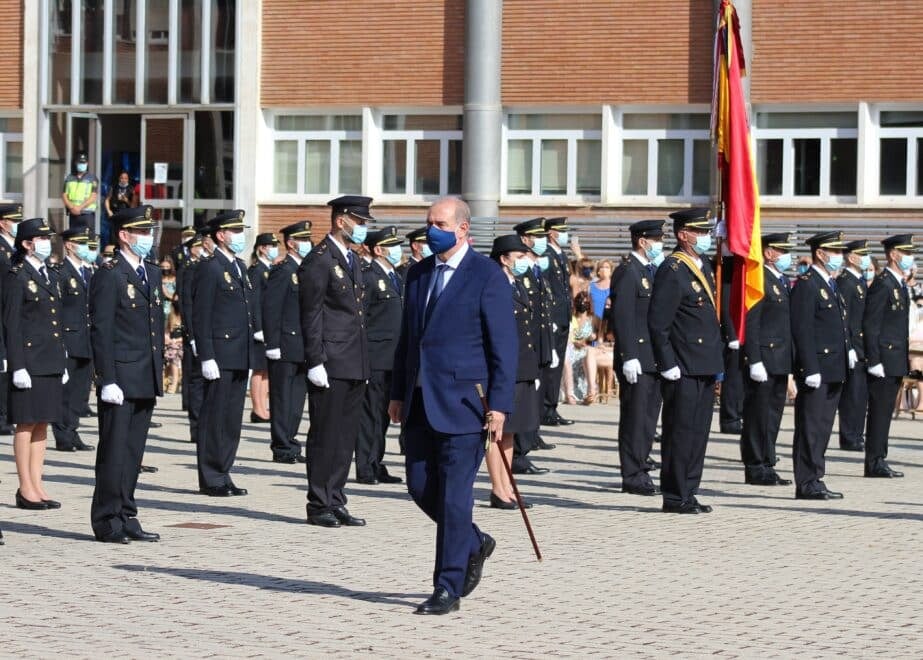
[15,268]
[365,265]
[674,262]
[109,265]
[806,276]
[149,262]
[626,258]
[320,248]
[55,266]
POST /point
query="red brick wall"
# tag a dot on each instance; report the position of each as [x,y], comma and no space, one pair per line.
[11,18]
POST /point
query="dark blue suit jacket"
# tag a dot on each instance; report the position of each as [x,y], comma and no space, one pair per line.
[470,338]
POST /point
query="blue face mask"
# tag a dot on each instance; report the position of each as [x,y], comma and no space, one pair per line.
[521,266]
[784,262]
[543,263]
[142,245]
[803,268]
[869,275]
[304,248]
[658,259]
[42,249]
[237,243]
[654,251]
[563,238]
[81,167]
[272,253]
[906,262]
[440,241]
[835,262]
[540,245]
[92,256]
[426,251]
[358,233]
[394,255]
[702,244]
[14,229]
[865,262]
[82,251]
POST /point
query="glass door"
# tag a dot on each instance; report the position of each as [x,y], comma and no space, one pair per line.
[165,170]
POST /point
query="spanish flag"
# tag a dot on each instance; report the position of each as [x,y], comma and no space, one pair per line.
[739,190]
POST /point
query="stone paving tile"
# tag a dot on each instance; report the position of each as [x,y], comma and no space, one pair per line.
[763,576]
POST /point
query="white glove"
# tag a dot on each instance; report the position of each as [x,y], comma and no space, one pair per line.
[734,345]
[631,370]
[258,336]
[758,372]
[3,370]
[65,377]
[554,359]
[853,358]
[554,327]
[112,393]
[538,384]
[878,370]
[195,353]
[273,353]
[671,374]
[318,376]
[210,370]
[721,230]
[22,379]
[813,381]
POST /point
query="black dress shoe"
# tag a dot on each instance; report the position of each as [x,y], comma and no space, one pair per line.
[235,491]
[342,514]
[141,535]
[301,459]
[1,538]
[326,519]
[529,469]
[385,478]
[732,428]
[215,491]
[80,445]
[703,508]
[682,507]
[7,429]
[652,464]
[148,468]
[561,421]
[882,472]
[541,444]
[476,564]
[114,537]
[497,503]
[848,446]
[23,503]
[368,481]
[763,479]
[291,460]
[256,419]
[644,489]
[779,481]
[813,495]
[155,425]
[439,603]
[65,448]
[833,495]
[52,504]
[549,420]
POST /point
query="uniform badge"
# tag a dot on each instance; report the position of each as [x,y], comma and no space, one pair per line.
[156,297]
[381,285]
[227,277]
[73,282]
[859,289]
[645,283]
[338,271]
[33,287]
[824,295]
[775,290]
[696,287]
[130,290]
[294,278]
[897,295]
[526,283]
[266,275]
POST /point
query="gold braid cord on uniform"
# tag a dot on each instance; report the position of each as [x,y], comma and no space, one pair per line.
[700,276]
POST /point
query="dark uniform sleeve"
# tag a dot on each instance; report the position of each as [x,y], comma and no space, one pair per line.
[803,304]
[272,300]
[206,291]
[752,325]
[502,338]
[104,300]
[622,296]
[875,305]
[12,321]
[664,304]
[313,279]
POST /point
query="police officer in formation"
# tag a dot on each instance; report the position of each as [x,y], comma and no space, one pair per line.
[126,333]
[288,386]
[224,328]
[557,276]
[639,388]
[419,250]
[686,337]
[823,357]
[766,363]
[852,286]
[382,309]
[74,277]
[336,353]
[10,217]
[265,252]
[886,349]
[731,403]
[200,249]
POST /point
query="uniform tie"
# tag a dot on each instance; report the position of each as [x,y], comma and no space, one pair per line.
[438,285]
[394,282]
[44,274]
[784,281]
[349,259]
[85,273]
[651,269]
[141,273]
[832,284]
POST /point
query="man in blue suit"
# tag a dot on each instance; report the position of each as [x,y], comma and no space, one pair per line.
[457,330]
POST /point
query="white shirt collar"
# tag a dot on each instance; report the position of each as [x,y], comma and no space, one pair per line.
[35,262]
[76,263]
[554,247]
[854,272]
[131,258]
[899,276]
[453,261]
[342,247]
[295,257]
[230,255]
[266,262]
[640,257]
[821,270]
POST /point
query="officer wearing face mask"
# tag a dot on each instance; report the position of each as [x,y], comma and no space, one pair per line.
[823,357]
[224,328]
[288,386]
[853,286]
[200,249]
[336,352]
[383,308]
[686,337]
[265,253]
[10,217]
[80,193]
[419,250]
[639,397]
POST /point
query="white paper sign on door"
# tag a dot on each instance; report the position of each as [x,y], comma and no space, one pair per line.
[160,172]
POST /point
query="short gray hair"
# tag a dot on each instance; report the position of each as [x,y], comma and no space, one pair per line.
[462,210]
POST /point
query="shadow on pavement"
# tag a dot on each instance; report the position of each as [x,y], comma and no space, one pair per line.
[278,584]
[38,530]
[917,517]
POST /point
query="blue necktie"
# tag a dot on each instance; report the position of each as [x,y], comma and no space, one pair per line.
[142,275]
[44,274]
[394,282]
[832,285]
[438,285]
[349,259]
[651,269]
[85,273]
[784,281]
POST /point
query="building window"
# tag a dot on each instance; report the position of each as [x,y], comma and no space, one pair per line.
[317,155]
[807,155]
[10,159]
[421,155]
[556,155]
[665,156]
[900,147]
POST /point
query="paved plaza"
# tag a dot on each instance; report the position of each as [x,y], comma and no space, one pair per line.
[763,576]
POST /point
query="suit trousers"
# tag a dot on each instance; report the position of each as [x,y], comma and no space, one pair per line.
[551,378]
[730,410]
[687,412]
[373,425]
[331,441]
[637,426]
[815,409]
[194,388]
[853,403]
[441,470]
[186,373]
[288,389]
[122,437]
[219,427]
[764,404]
[882,395]
[73,401]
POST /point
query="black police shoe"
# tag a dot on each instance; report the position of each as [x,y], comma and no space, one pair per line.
[441,602]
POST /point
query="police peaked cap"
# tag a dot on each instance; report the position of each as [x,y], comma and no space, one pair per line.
[902,242]
[533,227]
[267,238]
[778,241]
[507,243]
[139,217]
[355,205]
[300,229]
[647,229]
[385,237]
[694,218]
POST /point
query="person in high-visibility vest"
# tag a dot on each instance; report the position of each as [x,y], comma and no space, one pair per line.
[80,193]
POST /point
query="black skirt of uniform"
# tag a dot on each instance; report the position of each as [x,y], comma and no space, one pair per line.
[43,402]
[526,409]
[258,361]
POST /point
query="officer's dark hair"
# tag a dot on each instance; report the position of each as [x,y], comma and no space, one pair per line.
[636,241]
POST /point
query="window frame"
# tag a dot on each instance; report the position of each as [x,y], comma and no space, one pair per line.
[6,138]
[912,135]
[410,138]
[653,135]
